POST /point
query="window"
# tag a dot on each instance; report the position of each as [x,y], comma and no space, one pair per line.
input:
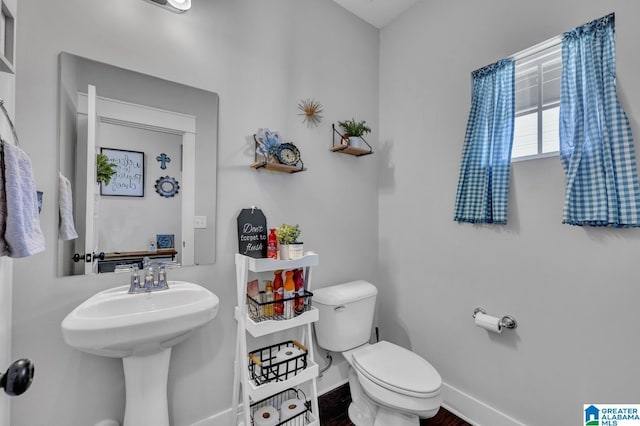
[537,102]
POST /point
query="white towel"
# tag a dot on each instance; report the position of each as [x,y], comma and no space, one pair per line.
[67,230]
[4,249]
[22,234]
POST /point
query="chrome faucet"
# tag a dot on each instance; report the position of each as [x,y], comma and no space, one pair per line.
[147,282]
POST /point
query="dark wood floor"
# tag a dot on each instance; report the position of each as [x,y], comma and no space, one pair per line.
[334,404]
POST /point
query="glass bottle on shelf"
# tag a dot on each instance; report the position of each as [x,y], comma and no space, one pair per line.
[278,292]
[272,245]
[299,283]
[289,295]
[268,297]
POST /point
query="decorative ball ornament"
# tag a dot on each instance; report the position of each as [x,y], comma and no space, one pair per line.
[167,186]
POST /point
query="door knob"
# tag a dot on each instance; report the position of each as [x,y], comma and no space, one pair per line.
[18,377]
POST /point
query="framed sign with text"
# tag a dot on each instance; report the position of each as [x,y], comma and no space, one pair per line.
[252,233]
[129,178]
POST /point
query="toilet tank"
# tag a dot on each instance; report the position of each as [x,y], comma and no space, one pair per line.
[346,315]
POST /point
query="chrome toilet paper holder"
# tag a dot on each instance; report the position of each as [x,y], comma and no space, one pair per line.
[506,321]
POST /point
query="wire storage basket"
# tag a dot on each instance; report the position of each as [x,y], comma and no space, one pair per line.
[291,407]
[277,362]
[260,310]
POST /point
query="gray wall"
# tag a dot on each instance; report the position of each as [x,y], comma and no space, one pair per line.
[573,290]
[262,58]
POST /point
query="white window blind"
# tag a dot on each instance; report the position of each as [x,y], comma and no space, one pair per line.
[537,102]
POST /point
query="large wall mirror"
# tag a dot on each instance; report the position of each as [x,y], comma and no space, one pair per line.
[161,137]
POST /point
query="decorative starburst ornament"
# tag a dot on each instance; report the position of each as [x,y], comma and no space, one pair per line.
[311,110]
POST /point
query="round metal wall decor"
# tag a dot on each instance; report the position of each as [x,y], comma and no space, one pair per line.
[167,186]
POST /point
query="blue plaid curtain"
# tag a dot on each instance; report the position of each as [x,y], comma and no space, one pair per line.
[483,185]
[596,145]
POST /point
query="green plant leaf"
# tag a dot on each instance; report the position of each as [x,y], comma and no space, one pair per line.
[105,169]
[287,234]
[353,128]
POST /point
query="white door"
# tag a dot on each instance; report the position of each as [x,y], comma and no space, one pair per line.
[86,243]
[91,235]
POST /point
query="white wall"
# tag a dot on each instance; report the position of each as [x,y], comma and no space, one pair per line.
[574,291]
[262,58]
[129,223]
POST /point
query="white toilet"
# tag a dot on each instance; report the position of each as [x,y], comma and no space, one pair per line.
[390,385]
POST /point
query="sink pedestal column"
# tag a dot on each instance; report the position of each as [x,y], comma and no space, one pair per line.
[146,389]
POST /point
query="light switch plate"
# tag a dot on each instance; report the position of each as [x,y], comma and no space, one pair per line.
[200,222]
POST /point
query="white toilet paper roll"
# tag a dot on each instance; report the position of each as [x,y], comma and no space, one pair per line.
[287,362]
[291,408]
[266,416]
[488,322]
[288,353]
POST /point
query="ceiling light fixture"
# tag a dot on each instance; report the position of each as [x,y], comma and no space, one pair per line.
[178,6]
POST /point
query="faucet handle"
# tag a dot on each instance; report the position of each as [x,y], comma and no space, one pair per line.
[162,276]
[136,286]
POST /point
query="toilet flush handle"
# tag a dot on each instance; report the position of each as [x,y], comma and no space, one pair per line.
[340,308]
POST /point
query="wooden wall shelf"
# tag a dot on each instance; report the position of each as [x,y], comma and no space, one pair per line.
[111,260]
[133,254]
[346,149]
[260,162]
[339,146]
[276,167]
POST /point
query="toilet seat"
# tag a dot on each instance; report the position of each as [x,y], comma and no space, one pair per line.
[422,407]
[397,369]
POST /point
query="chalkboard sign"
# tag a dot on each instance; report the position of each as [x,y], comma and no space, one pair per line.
[129,178]
[252,233]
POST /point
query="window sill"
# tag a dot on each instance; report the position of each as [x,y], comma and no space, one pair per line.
[536,156]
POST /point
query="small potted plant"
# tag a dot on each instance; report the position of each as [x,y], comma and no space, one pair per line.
[105,169]
[353,131]
[290,247]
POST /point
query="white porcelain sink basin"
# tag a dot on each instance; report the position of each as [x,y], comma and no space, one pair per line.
[115,323]
[141,329]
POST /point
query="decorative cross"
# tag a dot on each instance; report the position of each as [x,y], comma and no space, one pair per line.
[163,159]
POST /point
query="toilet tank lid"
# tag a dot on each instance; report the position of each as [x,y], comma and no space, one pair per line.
[344,293]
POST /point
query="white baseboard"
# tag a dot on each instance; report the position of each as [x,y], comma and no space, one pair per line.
[472,410]
[223,418]
[457,402]
[332,387]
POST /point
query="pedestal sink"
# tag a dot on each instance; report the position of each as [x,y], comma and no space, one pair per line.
[141,329]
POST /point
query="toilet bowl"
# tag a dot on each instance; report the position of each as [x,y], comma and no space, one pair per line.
[390,385]
[397,378]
